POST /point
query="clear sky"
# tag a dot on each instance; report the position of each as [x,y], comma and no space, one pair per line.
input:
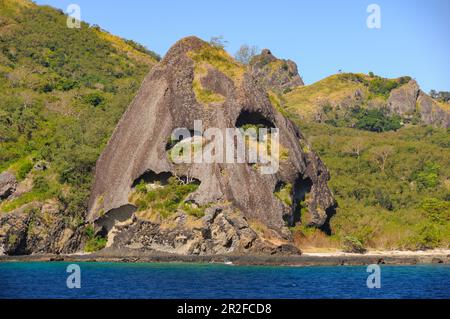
[321,36]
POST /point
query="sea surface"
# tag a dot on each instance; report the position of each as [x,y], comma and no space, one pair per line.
[157,280]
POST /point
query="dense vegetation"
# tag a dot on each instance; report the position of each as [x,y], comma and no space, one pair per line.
[61,95]
[392,188]
[165,200]
[374,120]
[63,91]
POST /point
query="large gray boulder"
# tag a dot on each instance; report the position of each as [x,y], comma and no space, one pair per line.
[409,101]
[237,195]
[431,113]
[8,184]
[402,100]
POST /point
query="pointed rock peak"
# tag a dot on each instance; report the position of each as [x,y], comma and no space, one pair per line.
[195,90]
[181,47]
[275,74]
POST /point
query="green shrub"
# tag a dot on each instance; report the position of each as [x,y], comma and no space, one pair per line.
[382,86]
[285,194]
[353,245]
[427,236]
[166,199]
[40,184]
[94,99]
[93,243]
[383,199]
[193,210]
[438,210]
[377,120]
[428,177]
[24,169]
[141,187]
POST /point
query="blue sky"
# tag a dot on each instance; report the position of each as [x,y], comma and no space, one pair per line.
[321,36]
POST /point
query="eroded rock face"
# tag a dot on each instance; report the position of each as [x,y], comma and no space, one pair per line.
[276,74]
[8,185]
[408,101]
[173,96]
[38,228]
[402,101]
[431,113]
[221,231]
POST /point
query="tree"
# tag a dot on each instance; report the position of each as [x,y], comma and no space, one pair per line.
[441,95]
[355,148]
[380,155]
[376,120]
[218,42]
[433,94]
[246,53]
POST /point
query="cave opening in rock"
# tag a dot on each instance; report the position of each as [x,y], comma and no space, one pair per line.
[326,227]
[150,177]
[302,187]
[114,216]
[247,118]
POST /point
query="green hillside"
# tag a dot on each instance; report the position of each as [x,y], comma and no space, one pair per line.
[392,182]
[392,188]
[334,99]
[62,93]
[367,102]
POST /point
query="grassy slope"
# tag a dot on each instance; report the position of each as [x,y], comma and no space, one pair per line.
[305,101]
[337,90]
[64,92]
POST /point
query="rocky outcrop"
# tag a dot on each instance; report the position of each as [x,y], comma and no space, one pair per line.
[431,113]
[409,101]
[221,231]
[403,100]
[236,195]
[8,184]
[38,228]
[275,74]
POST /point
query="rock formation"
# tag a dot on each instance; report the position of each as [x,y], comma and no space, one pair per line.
[241,209]
[278,75]
[38,228]
[8,185]
[409,101]
[402,101]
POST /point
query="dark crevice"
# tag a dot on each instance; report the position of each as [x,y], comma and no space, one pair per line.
[279,186]
[150,177]
[326,227]
[302,187]
[6,195]
[253,118]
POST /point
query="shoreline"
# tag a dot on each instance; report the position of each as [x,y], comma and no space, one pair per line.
[439,256]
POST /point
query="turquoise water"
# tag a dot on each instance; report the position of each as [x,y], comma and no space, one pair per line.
[123,280]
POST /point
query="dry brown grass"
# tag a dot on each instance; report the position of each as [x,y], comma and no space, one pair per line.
[314,241]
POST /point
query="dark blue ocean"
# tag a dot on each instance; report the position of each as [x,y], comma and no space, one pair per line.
[126,280]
